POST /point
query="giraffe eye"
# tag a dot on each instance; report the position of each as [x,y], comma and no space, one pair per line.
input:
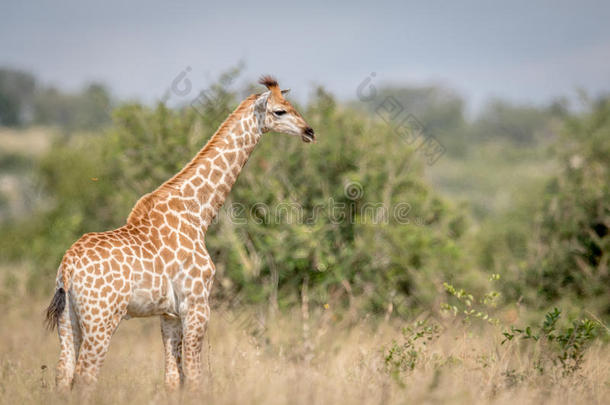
[279,112]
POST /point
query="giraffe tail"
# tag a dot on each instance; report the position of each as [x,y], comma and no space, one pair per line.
[55,308]
[58,302]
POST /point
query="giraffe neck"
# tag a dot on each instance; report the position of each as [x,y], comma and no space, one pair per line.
[199,190]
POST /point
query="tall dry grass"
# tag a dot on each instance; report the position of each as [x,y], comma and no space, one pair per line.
[248,359]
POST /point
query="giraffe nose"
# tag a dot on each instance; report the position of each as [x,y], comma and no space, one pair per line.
[309,134]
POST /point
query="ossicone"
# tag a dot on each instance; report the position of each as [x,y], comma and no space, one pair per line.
[268,81]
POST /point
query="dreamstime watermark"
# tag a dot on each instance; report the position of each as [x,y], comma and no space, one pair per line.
[208,100]
[236,313]
[403,123]
[351,209]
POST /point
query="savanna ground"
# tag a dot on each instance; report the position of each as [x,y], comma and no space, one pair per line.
[332,357]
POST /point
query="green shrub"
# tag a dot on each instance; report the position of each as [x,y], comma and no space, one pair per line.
[386,257]
[402,357]
[468,307]
[560,346]
[571,242]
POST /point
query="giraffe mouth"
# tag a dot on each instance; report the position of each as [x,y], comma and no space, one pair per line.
[308,135]
[308,138]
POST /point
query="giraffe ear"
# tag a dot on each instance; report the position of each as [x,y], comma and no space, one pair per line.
[285,91]
[261,102]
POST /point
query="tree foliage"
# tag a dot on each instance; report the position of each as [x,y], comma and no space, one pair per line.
[349,216]
[571,250]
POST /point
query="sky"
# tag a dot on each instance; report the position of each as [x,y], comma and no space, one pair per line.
[525,51]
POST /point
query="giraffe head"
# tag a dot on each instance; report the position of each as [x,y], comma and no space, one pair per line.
[280,115]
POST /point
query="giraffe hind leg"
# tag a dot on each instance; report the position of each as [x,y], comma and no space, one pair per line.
[95,342]
[69,339]
[171,332]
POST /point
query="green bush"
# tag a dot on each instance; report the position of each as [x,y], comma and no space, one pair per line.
[564,347]
[390,238]
[402,356]
[571,242]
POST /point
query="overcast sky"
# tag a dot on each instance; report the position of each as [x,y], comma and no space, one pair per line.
[514,49]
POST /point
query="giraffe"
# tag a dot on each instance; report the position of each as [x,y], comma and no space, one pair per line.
[157,263]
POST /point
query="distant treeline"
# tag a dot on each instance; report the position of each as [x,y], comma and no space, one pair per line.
[25,101]
[442,113]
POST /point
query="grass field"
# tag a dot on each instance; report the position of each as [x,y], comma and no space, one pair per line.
[250,361]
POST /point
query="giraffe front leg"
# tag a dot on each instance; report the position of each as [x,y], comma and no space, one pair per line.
[171,332]
[194,326]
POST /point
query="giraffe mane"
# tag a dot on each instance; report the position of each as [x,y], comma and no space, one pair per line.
[145,204]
